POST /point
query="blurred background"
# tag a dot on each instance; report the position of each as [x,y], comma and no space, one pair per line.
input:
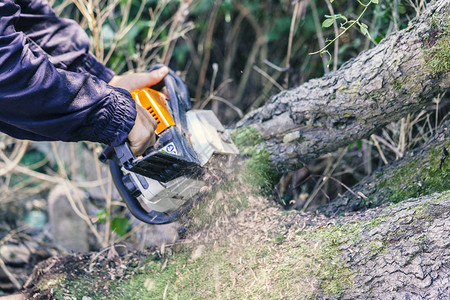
[233,56]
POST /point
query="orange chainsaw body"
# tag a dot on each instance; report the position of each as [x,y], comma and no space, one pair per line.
[155,103]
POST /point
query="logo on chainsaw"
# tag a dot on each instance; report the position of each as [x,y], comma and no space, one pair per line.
[170,149]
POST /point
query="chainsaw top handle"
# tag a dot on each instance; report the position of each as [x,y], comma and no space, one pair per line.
[178,94]
[177,91]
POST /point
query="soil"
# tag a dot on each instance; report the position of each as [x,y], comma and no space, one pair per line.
[105,265]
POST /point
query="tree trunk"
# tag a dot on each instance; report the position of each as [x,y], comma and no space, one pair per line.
[399,76]
[423,171]
[402,253]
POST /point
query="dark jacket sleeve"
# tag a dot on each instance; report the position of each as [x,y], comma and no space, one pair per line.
[66,43]
[39,101]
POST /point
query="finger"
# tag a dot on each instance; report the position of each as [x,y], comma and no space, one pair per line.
[152,141]
[149,119]
[139,148]
[143,80]
[155,76]
[165,92]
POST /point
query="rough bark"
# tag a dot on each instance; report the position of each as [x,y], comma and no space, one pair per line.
[403,253]
[379,86]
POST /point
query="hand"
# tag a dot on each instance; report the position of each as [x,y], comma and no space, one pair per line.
[142,135]
[134,81]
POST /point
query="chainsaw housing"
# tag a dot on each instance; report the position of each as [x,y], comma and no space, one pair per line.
[169,173]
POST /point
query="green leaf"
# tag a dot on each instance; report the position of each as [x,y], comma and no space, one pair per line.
[375,1]
[101,215]
[327,23]
[363,27]
[120,225]
[359,144]
[340,16]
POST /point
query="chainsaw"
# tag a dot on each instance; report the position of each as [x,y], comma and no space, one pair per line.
[155,185]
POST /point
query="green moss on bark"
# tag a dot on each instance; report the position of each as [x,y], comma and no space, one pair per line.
[259,170]
[246,136]
[437,58]
[421,176]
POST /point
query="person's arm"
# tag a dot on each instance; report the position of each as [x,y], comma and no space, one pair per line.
[41,102]
[65,42]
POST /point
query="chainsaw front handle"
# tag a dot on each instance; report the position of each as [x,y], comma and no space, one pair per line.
[135,207]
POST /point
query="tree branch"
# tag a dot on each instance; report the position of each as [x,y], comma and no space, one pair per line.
[379,86]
